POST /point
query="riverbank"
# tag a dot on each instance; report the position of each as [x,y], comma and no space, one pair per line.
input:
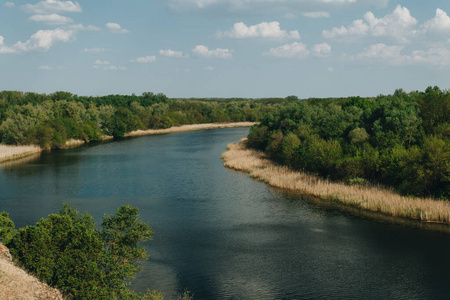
[10,153]
[374,199]
[191,127]
[17,284]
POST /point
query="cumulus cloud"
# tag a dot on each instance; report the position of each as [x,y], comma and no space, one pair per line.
[440,23]
[144,59]
[9,4]
[317,14]
[203,51]
[270,30]
[52,6]
[434,56]
[321,50]
[171,53]
[294,50]
[3,48]
[209,68]
[399,25]
[45,68]
[52,19]
[114,68]
[116,28]
[44,39]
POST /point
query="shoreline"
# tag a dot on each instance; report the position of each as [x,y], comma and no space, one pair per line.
[372,199]
[10,153]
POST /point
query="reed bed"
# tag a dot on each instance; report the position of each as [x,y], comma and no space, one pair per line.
[375,199]
[16,152]
[191,127]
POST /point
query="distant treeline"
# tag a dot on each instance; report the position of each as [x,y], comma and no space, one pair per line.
[400,140]
[51,119]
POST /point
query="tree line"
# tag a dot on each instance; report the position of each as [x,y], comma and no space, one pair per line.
[49,120]
[400,140]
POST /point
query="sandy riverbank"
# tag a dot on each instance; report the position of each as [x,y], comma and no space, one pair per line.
[375,199]
[191,127]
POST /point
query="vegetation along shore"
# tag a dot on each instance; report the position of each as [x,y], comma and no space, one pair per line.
[9,152]
[372,198]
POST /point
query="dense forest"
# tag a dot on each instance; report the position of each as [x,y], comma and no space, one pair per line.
[49,120]
[400,140]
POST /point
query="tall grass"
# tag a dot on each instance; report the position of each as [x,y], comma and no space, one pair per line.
[15,152]
[375,199]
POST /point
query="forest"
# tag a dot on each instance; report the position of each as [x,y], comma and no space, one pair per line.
[399,141]
[49,120]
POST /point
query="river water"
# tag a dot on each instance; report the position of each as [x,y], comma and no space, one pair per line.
[222,235]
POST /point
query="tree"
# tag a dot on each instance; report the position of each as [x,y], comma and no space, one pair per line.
[67,251]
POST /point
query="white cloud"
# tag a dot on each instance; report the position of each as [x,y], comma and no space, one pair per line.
[116,28]
[9,4]
[52,19]
[209,68]
[44,39]
[330,69]
[321,50]
[100,62]
[294,50]
[398,25]
[81,27]
[171,53]
[95,50]
[52,6]
[45,68]
[440,23]
[4,49]
[144,59]
[434,56]
[269,30]
[317,14]
[203,51]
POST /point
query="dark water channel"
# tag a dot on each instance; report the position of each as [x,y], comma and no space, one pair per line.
[223,235]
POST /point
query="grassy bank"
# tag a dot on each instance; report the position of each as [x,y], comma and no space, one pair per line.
[375,199]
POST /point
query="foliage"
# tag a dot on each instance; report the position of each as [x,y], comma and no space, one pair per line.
[400,140]
[49,120]
[67,251]
[6,227]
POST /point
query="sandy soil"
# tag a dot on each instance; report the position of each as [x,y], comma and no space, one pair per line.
[17,284]
[189,128]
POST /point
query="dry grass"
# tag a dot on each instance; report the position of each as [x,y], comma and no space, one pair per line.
[189,128]
[16,284]
[369,198]
[16,152]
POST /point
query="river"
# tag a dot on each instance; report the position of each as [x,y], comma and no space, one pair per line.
[223,235]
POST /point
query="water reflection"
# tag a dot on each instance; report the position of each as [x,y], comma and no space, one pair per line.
[223,235]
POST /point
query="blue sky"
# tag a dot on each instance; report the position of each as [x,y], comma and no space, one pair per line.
[225,48]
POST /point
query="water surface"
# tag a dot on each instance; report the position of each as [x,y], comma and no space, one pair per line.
[223,235]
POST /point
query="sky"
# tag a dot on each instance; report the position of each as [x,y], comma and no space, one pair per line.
[225,48]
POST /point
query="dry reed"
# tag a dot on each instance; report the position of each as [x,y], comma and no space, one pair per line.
[375,199]
[16,152]
[191,127]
